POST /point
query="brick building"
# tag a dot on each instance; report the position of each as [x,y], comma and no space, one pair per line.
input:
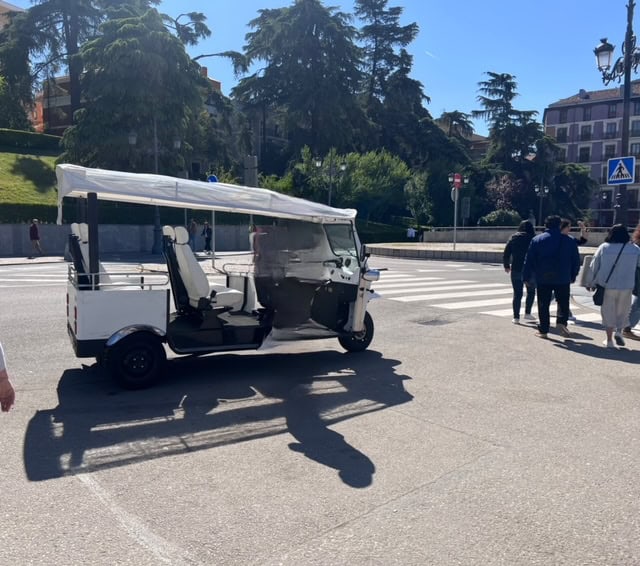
[588,129]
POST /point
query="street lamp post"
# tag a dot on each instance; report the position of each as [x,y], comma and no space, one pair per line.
[456,180]
[621,70]
[541,193]
[333,169]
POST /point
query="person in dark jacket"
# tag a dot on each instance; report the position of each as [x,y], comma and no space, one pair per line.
[553,262]
[565,228]
[513,261]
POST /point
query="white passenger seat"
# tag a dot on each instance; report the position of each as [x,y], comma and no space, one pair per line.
[195,279]
[81,231]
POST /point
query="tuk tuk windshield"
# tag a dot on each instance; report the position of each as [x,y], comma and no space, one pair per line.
[342,239]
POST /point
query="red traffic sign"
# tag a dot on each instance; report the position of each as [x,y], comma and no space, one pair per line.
[457,180]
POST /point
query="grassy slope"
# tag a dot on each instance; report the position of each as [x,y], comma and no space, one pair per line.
[27,179]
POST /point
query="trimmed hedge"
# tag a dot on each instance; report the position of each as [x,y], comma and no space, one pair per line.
[29,140]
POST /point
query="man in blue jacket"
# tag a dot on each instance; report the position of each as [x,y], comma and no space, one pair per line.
[553,263]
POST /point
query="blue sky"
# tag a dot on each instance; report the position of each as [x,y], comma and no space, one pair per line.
[548,44]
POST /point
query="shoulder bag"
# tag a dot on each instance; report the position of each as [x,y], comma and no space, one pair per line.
[598,296]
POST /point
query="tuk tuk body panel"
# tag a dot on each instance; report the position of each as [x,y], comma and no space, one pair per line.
[97,315]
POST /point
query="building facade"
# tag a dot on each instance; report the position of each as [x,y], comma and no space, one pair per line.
[5,10]
[588,130]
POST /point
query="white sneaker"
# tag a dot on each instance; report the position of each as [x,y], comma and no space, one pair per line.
[515,321]
[608,343]
[572,319]
[529,316]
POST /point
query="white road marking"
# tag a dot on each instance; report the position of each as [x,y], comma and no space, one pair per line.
[164,550]
[440,296]
[448,287]
[474,304]
[425,283]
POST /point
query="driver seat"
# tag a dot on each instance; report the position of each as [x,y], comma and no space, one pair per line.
[202,296]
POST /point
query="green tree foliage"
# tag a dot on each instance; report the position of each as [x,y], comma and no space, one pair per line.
[381,36]
[571,190]
[15,69]
[139,79]
[374,185]
[417,198]
[456,124]
[501,218]
[62,26]
[512,132]
[310,71]
[12,112]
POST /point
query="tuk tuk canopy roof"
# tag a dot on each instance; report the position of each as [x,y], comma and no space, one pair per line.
[77,181]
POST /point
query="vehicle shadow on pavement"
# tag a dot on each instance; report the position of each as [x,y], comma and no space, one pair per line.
[215,401]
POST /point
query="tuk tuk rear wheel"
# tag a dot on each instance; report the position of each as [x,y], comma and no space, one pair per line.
[359,341]
[137,361]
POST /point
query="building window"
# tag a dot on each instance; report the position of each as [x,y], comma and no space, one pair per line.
[635,128]
[603,178]
[634,149]
[563,116]
[585,133]
[636,107]
[611,131]
[584,156]
[586,113]
[561,135]
[613,110]
[610,151]
[562,154]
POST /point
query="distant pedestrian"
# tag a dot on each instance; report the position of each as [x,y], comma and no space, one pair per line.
[614,267]
[634,313]
[513,261]
[193,232]
[207,233]
[411,232]
[532,218]
[7,393]
[34,236]
[553,262]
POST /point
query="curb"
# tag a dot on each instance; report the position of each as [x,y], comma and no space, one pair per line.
[478,256]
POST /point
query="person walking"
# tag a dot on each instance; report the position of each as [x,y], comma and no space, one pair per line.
[614,267]
[634,313]
[552,262]
[565,228]
[193,232]
[34,236]
[7,393]
[513,261]
[207,233]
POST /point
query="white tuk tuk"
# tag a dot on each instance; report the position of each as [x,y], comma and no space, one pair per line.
[307,277]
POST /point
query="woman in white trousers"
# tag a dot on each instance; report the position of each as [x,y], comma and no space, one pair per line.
[614,267]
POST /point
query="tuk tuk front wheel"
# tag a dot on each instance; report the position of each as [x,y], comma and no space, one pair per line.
[359,341]
[137,361]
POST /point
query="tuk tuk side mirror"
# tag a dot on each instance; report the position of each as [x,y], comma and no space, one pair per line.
[364,253]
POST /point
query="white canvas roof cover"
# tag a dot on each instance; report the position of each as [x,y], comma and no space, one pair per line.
[77,181]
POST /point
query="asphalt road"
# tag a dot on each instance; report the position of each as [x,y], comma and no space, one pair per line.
[458,438]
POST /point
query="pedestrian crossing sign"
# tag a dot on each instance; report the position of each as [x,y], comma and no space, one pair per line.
[621,170]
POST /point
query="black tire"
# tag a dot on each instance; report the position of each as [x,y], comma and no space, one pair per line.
[137,361]
[358,342]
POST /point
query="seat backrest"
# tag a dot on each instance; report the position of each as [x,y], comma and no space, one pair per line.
[191,273]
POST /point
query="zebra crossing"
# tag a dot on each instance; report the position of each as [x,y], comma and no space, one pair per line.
[36,275]
[481,288]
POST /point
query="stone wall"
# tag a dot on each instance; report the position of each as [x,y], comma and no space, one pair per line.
[14,239]
[494,235]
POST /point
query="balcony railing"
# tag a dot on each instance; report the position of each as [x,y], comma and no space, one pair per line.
[585,136]
[610,135]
